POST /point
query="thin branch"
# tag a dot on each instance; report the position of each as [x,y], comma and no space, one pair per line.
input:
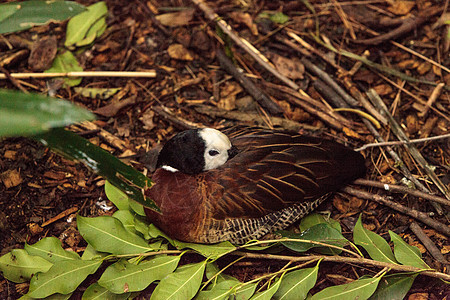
[347,260]
[421,216]
[422,140]
[428,243]
[395,127]
[147,74]
[402,189]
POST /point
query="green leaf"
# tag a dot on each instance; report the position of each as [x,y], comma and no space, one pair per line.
[24,15]
[182,284]
[90,253]
[123,276]
[107,234]
[82,29]
[245,292]
[25,114]
[375,245]
[97,292]
[141,226]
[212,251]
[18,266]
[296,284]
[116,196]
[51,297]
[268,294]
[219,291]
[323,233]
[394,287]
[64,277]
[50,249]
[96,30]
[121,175]
[407,254]
[359,289]
[127,219]
[279,18]
[63,63]
[315,218]
[100,93]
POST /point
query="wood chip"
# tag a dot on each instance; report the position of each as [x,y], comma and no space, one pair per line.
[11,178]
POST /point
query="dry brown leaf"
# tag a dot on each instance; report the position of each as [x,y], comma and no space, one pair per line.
[424,68]
[10,154]
[228,96]
[291,68]
[43,53]
[178,51]
[176,19]
[418,296]
[401,7]
[245,18]
[383,89]
[408,64]
[147,119]
[11,178]
[113,108]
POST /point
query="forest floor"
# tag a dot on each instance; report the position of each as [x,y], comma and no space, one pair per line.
[41,192]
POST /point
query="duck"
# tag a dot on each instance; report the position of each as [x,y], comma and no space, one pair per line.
[242,183]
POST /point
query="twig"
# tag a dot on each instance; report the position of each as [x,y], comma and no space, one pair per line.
[428,243]
[147,74]
[347,260]
[177,121]
[408,25]
[253,118]
[395,127]
[393,143]
[263,99]
[310,105]
[402,189]
[244,44]
[13,80]
[421,216]
[327,78]
[434,95]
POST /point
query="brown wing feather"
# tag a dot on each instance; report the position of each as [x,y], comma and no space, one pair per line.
[275,170]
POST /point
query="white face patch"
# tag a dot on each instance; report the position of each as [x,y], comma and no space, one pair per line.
[217,145]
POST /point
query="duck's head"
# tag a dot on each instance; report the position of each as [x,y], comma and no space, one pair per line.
[194,151]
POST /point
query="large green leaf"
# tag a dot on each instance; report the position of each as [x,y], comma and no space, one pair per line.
[407,254]
[107,234]
[296,284]
[123,276]
[394,287]
[25,114]
[15,16]
[18,266]
[64,277]
[375,245]
[182,284]
[322,232]
[50,249]
[125,177]
[360,289]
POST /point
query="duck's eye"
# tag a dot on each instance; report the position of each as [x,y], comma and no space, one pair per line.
[213,152]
